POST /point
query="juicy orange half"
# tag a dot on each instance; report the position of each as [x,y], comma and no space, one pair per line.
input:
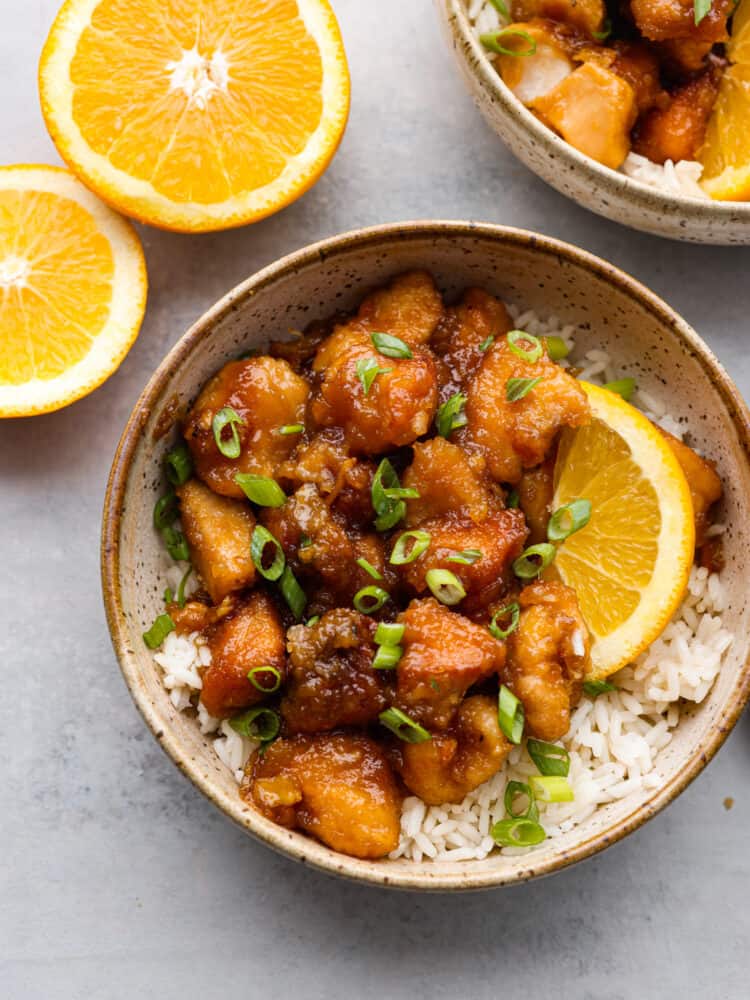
[196,114]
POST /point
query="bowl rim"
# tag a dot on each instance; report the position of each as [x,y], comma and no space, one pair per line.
[291,843]
[611,181]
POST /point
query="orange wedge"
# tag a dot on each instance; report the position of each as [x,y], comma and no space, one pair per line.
[72,290]
[199,114]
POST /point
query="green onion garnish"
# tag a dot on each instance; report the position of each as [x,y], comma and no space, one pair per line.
[467,557]
[312,621]
[402,726]
[525,345]
[568,519]
[517,388]
[556,348]
[512,501]
[603,35]
[257,724]
[370,599]
[291,429]
[389,511]
[551,788]
[514,610]
[501,8]
[445,586]
[450,416]
[593,688]
[517,788]
[178,465]
[533,560]
[624,387]
[168,596]
[294,595]
[176,543]
[262,490]
[510,715]
[389,634]
[165,511]
[549,757]
[254,676]
[158,632]
[391,347]
[421,541]
[181,587]
[227,417]
[491,41]
[387,657]
[402,493]
[517,833]
[259,543]
[369,568]
[368,370]
[487,343]
[700,9]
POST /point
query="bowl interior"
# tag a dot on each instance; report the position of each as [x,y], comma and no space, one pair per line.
[611,311]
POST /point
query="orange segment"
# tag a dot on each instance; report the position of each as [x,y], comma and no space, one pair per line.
[72,290]
[196,114]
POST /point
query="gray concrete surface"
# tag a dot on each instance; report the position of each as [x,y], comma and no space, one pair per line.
[118,879]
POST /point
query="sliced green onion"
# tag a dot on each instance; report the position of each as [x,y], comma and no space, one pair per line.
[421,542]
[176,543]
[390,518]
[517,833]
[259,543]
[391,347]
[178,465]
[369,568]
[467,557]
[402,726]
[312,621]
[491,41]
[402,493]
[445,586]
[549,757]
[556,348]
[603,35]
[450,416]
[158,632]
[291,429]
[257,724]
[624,387]
[594,688]
[370,599]
[514,610]
[501,8]
[387,657]
[512,501]
[512,790]
[700,9]
[517,388]
[294,595]
[533,560]
[389,634]
[551,788]
[389,511]
[487,343]
[227,417]
[368,370]
[262,490]
[510,714]
[168,596]
[305,541]
[165,511]
[516,341]
[255,674]
[181,587]
[568,519]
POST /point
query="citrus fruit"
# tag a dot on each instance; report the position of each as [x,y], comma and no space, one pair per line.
[72,290]
[630,564]
[197,115]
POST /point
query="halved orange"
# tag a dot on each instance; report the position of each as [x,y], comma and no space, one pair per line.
[72,290]
[196,115]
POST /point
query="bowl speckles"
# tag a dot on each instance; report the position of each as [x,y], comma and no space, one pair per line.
[604,191]
[647,340]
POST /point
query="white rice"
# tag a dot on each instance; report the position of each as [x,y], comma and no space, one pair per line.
[671,178]
[614,740]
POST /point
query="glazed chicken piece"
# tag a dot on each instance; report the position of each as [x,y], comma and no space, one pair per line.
[462,331]
[533,76]
[219,531]
[267,395]
[448,481]
[548,657]
[444,654]
[499,539]
[705,485]
[250,637]
[638,64]
[677,132]
[513,436]
[661,20]
[198,616]
[452,764]
[331,679]
[535,491]
[337,787]
[588,15]
[409,308]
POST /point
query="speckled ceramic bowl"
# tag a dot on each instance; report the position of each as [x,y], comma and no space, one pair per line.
[645,338]
[587,182]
